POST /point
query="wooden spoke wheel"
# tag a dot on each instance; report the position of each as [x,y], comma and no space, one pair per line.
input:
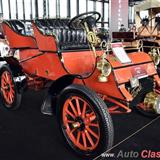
[10,97]
[81,124]
[84,121]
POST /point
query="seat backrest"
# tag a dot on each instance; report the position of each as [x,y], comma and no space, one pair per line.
[46,43]
[68,39]
[13,31]
[17,26]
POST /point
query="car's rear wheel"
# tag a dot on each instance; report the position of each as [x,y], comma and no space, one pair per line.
[10,98]
[84,121]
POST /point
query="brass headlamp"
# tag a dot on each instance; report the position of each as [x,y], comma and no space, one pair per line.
[105,68]
[152,102]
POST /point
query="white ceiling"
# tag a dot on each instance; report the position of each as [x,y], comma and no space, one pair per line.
[147,4]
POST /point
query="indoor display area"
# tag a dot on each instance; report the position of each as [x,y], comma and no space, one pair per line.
[79,79]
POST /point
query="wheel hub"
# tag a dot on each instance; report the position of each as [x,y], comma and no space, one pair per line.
[80,123]
[8,87]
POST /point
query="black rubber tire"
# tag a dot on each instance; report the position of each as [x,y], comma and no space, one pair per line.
[100,108]
[18,96]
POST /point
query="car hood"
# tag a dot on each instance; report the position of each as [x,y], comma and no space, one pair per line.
[140,67]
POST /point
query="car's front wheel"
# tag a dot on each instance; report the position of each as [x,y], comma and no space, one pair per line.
[84,121]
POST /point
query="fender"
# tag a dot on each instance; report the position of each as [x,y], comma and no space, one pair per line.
[58,85]
[2,62]
[55,88]
[17,72]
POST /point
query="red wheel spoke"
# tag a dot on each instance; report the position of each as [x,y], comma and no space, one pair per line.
[3,81]
[6,77]
[92,132]
[78,137]
[92,116]
[84,139]
[69,113]
[89,138]
[73,108]
[84,109]
[78,107]
[12,86]
[9,98]
[5,94]
[12,91]
[71,131]
[69,121]
[11,95]
[94,125]
[4,87]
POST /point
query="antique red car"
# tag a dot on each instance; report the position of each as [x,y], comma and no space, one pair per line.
[86,80]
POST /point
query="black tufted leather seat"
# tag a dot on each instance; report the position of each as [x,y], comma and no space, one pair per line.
[68,39]
[17,26]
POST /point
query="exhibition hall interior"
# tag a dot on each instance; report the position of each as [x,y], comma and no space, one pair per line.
[79,79]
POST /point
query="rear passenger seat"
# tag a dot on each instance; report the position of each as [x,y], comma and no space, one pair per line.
[68,39]
[17,26]
[20,27]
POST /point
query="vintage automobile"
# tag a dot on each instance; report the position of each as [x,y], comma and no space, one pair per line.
[149,31]
[87,79]
[151,38]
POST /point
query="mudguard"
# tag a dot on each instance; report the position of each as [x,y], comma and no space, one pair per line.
[13,64]
[2,63]
[55,88]
[16,69]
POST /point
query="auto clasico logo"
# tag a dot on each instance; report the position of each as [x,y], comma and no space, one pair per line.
[144,154]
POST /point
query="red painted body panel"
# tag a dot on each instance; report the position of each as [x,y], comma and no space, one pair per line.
[80,62]
[18,41]
[124,75]
[136,58]
[107,88]
[47,65]
[45,43]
